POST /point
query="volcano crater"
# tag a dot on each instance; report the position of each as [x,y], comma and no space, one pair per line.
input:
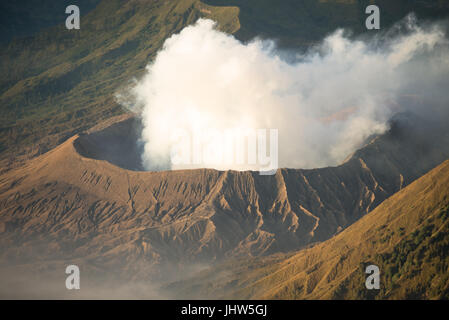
[118,143]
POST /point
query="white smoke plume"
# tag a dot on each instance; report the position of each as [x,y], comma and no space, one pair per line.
[324,105]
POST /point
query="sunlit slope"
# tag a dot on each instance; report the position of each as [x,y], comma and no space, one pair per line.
[66,205]
[58,81]
[406,236]
[298,23]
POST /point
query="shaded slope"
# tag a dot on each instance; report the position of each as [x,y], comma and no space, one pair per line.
[118,143]
[406,236]
[300,23]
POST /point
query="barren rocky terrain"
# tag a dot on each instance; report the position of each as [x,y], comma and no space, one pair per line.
[73,204]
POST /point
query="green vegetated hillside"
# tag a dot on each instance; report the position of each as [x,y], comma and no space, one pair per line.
[415,268]
[61,81]
[405,236]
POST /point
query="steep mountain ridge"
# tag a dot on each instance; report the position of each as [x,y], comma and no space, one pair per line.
[405,236]
[64,206]
[60,82]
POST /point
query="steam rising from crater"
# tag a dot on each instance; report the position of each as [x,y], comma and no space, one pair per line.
[325,104]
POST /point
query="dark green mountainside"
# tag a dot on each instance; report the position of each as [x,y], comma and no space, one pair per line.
[300,23]
[61,81]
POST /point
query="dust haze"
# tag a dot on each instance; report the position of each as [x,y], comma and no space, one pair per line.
[46,280]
